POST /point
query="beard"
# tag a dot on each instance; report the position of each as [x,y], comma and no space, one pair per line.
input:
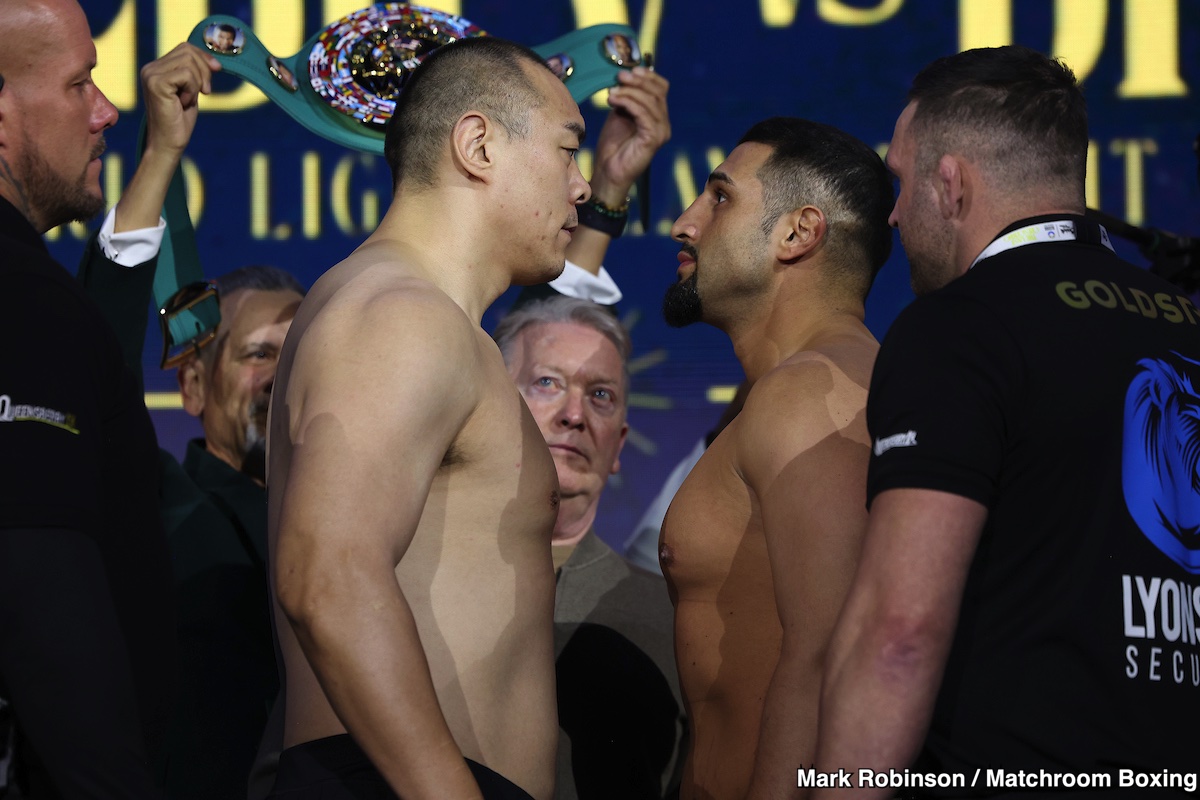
[681,304]
[921,277]
[928,270]
[928,246]
[55,199]
[254,461]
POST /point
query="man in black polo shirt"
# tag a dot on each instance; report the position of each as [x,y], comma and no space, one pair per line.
[86,625]
[1027,597]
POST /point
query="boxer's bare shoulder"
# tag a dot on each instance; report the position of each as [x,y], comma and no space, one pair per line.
[401,444]
[762,540]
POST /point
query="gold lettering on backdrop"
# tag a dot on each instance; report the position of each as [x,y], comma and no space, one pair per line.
[279,25]
[1152,50]
[685,182]
[76,230]
[838,13]
[114,178]
[1151,39]
[116,70]
[260,211]
[260,201]
[1078,29]
[685,185]
[339,196]
[336,9]
[585,158]
[193,187]
[1134,152]
[1091,183]
[370,197]
[984,23]
[782,13]
[310,194]
[1079,33]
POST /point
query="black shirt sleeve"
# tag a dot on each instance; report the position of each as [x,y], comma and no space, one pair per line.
[942,393]
[123,296]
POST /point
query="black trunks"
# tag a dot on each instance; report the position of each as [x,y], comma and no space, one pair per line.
[336,768]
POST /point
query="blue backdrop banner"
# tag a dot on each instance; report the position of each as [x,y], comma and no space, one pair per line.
[262,189]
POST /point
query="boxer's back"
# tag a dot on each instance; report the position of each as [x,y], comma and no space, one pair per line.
[374,338]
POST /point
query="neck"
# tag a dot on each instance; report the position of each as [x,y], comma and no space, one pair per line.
[575,517]
[229,457]
[13,190]
[437,232]
[974,237]
[793,321]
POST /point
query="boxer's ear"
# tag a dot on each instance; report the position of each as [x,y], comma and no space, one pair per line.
[473,142]
[798,233]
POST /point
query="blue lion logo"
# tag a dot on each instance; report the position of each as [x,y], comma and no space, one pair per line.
[1161,457]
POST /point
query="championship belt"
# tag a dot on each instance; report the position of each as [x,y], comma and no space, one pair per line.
[342,85]
[344,82]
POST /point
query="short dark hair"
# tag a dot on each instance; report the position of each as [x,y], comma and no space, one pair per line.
[260,277]
[480,73]
[817,164]
[566,310]
[1012,110]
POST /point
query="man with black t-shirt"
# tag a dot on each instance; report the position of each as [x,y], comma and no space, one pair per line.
[86,629]
[1025,613]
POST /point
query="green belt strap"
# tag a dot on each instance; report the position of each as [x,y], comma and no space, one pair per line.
[593,66]
[592,71]
[191,325]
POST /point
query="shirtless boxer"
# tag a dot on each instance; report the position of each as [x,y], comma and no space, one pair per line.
[411,493]
[761,541]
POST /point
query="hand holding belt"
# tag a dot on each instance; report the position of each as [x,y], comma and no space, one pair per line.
[342,85]
[344,81]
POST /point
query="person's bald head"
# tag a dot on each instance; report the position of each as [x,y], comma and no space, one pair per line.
[52,117]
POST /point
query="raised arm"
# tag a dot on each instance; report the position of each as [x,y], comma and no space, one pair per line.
[121,286]
[374,401]
[171,87]
[891,643]
[804,454]
[635,129]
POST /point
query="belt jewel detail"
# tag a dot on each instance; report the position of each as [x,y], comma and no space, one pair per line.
[360,63]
